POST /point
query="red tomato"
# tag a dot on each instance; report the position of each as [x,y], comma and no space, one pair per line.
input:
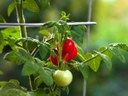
[69,51]
[68,46]
[73,55]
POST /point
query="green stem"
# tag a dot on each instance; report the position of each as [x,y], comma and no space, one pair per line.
[21,19]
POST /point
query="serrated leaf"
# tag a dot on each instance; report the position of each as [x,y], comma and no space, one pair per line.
[46,76]
[44,51]
[84,70]
[11,7]
[30,5]
[30,68]
[118,54]
[106,60]
[94,64]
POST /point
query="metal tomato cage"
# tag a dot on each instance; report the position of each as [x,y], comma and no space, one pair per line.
[88,24]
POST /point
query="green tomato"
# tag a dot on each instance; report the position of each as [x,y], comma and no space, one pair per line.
[62,77]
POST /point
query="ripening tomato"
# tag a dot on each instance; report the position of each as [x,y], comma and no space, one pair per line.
[62,78]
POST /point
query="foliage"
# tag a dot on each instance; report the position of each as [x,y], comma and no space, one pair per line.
[33,54]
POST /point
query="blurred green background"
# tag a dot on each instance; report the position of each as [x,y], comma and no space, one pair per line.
[112,26]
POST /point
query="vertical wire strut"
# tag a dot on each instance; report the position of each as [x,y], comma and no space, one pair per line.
[88,38]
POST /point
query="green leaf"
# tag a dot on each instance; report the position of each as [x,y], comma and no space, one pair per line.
[40,92]
[119,45]
[30,5]
[78,33]
[44,51]
[11,7]
[38,81]
[44,32]
[106,52]
[19,56]
[106,60]
[15,82]
[2,83]
[44,3]
[9,89]
[14,57]
[94,64]
[13,32]
[31,43]
[84,70]
[118,54]
[4,34]
[46,76]
[30,68]
[2,42]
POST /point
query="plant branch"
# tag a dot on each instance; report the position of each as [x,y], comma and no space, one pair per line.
[94,56]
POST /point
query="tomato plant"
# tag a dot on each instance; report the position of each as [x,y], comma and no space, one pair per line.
[57,46]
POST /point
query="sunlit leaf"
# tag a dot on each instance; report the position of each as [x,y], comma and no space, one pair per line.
[11,7]
[106,52]
[30,5]
[94,63]
[5,34]
[44,32]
